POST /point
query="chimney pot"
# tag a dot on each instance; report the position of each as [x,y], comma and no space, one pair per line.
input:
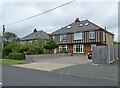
[77,21]
[35,30]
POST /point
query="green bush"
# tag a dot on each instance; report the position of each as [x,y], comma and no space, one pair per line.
[16,56]
[63,51]
[21,48]
[9,48]
[35,50]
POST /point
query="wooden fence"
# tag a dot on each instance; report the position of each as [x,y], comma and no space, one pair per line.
[105,54]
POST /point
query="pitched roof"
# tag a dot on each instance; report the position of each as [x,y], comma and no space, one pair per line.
[34,35]
[84,25]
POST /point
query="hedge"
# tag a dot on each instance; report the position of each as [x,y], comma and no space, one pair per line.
[16,56]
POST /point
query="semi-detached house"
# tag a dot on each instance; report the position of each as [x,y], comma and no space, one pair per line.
[80,36]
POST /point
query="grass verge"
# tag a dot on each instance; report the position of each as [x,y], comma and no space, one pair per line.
[11,62]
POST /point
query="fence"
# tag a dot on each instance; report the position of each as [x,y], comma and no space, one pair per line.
[105,54]
[31,58]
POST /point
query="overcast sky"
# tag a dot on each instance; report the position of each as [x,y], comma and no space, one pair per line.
[104,14]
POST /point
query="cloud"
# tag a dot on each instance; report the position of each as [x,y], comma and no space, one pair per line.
[104,14]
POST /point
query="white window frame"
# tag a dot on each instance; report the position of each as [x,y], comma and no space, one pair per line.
[92,35]
[63,37]
[81,47]
[61,47]
[78,36]
[53,37]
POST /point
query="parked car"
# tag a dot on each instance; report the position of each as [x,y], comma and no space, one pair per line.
[90,55]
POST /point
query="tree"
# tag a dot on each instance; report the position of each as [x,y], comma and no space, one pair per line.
[35,50]
[21,48]
[10,37]
[50,45]
[9,48]
[115,42]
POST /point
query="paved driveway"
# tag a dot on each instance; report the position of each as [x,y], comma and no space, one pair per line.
[109,72]
[56,63]
[68,60]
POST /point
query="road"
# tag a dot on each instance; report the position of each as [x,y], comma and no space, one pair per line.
[14,76]
[0,75]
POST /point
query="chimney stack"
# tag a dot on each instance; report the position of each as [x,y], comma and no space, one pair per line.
[35,30]
[77,21]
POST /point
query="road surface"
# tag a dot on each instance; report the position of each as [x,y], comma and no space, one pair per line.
[15,76]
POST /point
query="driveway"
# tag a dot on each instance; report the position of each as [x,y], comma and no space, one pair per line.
[68,60]
[76,66]
[56,63]
[109,72]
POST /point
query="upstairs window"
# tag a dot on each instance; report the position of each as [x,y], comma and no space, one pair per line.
[53,37]
[63,37]
[86,24]
[68,26]
[77,36]
[80,25]
[92,35]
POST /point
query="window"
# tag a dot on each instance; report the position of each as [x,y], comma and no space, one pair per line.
[62,37]
[81,25]
[53,37]
[62,47]
[68,26]
[86,24]
[78,48]
[92,35]
[77,36]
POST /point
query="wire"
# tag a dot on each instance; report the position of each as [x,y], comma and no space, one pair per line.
[40,13]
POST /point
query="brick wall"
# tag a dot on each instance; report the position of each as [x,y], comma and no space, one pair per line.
[87,48]
[70,48]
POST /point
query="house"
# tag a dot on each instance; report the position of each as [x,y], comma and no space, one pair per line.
[34,36]
[81,36]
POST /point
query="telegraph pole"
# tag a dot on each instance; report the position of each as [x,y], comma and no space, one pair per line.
[3,38]
[105,36]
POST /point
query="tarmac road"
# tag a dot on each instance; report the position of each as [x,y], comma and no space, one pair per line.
[15,76]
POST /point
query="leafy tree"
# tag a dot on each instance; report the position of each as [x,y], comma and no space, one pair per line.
[10,37]
[9,48]
[50,45]
[35,50]
[21,48]
[38,42]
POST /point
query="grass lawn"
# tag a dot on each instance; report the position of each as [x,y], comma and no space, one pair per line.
[11,62]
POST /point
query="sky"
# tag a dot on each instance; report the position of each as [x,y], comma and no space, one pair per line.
[104,14]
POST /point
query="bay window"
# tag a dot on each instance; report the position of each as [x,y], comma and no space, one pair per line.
[78,48]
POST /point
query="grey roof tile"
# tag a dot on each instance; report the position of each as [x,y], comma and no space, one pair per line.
[77,28]
[34,35]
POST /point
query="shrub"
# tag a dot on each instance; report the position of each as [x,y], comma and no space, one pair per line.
[51,44]
[9,48]
[63,51]
[16,56]
[21,48]
[35,50]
